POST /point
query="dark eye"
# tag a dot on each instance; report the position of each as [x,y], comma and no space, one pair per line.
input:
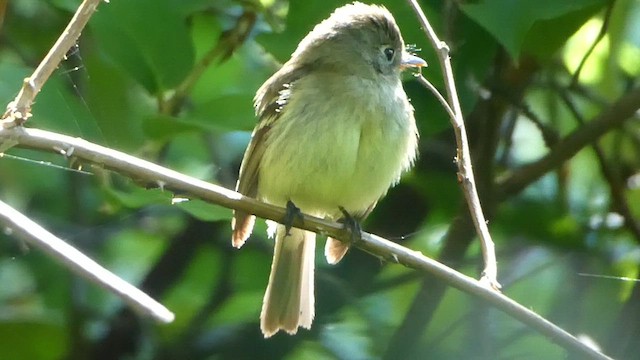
[389,52]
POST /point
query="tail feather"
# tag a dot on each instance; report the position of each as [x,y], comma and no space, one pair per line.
[242,226]
[335,250]
[289,299]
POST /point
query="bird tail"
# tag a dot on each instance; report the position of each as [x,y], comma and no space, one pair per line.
[289,300]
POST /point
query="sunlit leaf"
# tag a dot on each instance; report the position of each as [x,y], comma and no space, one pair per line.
[204,210]
[510,21]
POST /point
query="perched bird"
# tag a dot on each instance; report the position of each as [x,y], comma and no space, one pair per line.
[335,131]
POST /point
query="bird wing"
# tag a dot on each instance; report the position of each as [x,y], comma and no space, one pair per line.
[269,101]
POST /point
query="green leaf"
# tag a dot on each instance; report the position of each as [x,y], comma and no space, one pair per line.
[229,112]
[204,211]
[113,100]
[509,21]
[56,108]
[164,128]
[190,294]
[132,252]
[348,339]
[69,5]
[147,40]
[547,36]
[223,96]
[12,76]
[139,197]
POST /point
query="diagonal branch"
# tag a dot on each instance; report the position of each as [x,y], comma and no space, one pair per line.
[36,235]
[612,117]
[19,110]
[603,31]
[140,169]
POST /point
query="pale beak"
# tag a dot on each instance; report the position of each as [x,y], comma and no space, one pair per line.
[409,61]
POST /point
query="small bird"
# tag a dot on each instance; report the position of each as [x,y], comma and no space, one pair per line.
[335,132]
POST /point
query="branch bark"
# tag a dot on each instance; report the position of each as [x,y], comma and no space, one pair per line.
[19,110]
[140,169]
[610,118]
[34,234]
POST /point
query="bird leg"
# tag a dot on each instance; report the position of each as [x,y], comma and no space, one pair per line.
[351,224]
[293,212]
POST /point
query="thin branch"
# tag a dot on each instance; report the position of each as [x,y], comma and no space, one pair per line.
[550,135]
[19,110]
[36,235]
[426,83]
[140,169]
[603,31]
[610,118]
[463,158]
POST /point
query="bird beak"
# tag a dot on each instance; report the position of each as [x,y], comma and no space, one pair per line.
[409,61]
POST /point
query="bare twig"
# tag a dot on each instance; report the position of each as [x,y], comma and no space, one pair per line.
[19,110]
[426,83]
[36,235]
[550,136]
[139,169]
[463,157]
[603,31]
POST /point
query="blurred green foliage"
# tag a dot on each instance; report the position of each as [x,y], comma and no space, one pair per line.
[514,62]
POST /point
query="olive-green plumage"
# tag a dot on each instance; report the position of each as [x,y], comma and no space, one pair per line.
[336,130]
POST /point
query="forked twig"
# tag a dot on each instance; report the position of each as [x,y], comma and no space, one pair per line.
[463,157]
[18,111]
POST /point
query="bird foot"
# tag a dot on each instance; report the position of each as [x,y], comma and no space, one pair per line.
[293,212]
[351,224]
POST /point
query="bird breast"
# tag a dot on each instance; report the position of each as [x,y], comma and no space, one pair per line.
[341,143]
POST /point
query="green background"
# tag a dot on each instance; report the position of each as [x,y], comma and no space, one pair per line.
[514,61]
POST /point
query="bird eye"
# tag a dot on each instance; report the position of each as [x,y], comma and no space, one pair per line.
[389,52]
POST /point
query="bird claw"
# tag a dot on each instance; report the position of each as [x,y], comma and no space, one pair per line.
[351,224]
[293,212]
